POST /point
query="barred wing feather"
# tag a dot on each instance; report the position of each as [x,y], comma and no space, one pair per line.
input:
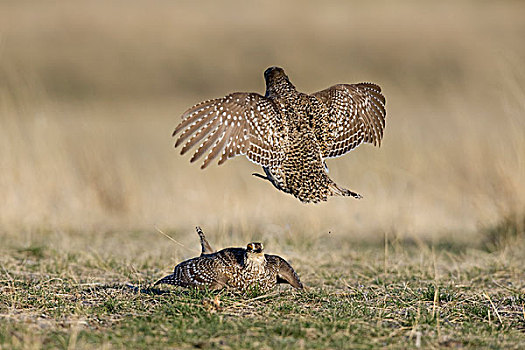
[240,123]
[356,114]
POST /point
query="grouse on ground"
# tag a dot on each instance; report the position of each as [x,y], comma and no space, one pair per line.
[239,269]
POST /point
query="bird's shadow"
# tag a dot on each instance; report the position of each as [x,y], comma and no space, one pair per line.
[128,288]
[179,292]
[150,290]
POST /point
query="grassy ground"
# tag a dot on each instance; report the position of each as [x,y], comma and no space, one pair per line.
[90,93]
[402,294]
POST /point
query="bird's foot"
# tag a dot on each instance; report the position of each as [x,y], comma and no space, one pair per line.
[261,176]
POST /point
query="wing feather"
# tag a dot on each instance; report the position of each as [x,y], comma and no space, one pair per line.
[198,135]
[237,124]
[207,143]
[217,147]
[353,114]
[285,272]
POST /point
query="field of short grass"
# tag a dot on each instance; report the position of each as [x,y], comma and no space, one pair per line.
[400,294]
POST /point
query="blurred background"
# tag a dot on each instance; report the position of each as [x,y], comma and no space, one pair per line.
[90,92]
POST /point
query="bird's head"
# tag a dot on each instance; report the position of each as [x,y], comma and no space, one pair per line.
[277,81]
[274,73]
[254,248]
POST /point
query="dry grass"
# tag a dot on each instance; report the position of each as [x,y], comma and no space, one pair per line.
[56,295]
[90,92]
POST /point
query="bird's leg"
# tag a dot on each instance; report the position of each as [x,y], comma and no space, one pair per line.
[269,177]
[261,176]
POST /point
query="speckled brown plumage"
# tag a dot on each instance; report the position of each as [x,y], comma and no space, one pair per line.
[238,269]
[287,132]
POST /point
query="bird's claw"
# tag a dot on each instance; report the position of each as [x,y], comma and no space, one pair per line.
[261,176]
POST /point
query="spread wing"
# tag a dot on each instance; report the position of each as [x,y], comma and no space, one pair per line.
[240,123]
[285,272]
[352,114]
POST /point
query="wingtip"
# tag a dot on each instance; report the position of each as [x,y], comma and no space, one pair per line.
[178,129]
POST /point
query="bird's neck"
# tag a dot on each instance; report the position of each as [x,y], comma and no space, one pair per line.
[279,87]
[254,261]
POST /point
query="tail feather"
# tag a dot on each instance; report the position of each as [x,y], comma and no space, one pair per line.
[205,246]
[339,191]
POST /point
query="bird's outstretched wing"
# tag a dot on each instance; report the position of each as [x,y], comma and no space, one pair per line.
[240,123]
[353,114]
[285,272]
